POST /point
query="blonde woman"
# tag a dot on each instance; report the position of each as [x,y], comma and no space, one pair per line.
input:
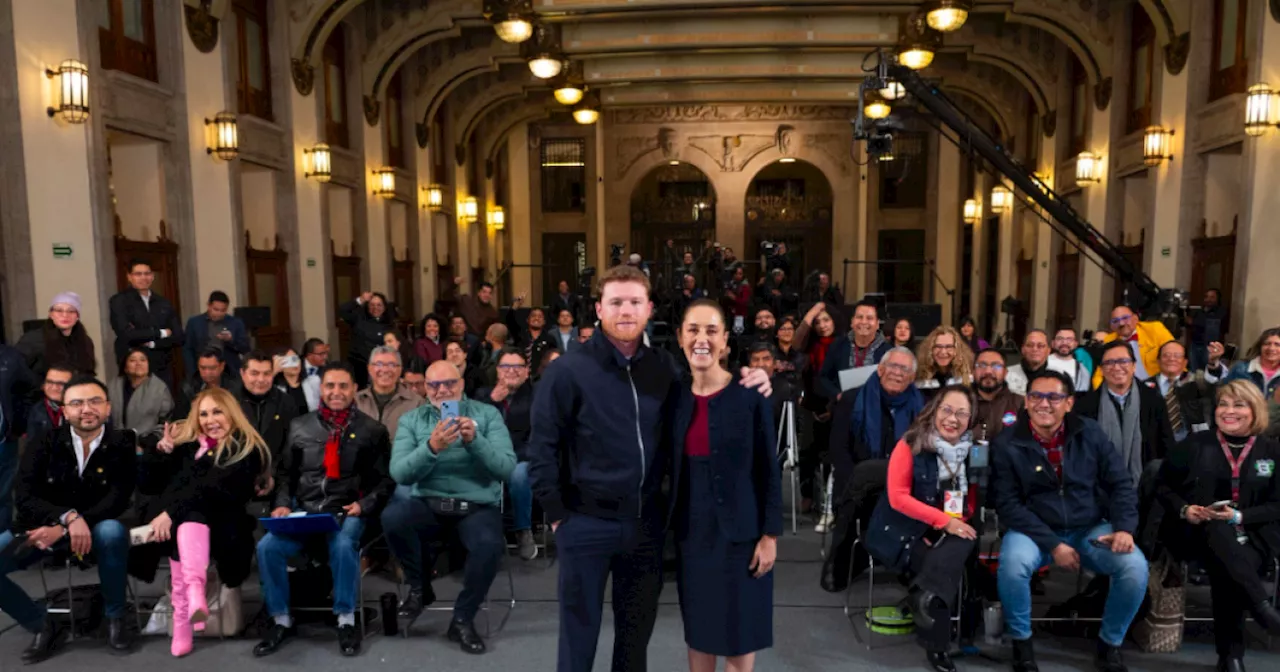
[202,472]
[945,359]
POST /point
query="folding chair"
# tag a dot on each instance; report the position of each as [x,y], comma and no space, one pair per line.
[361,602]
[69,610]
[505,561]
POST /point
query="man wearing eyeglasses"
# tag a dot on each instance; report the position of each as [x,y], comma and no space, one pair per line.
[1035,359]
[997,405]
[453,454]
[74,484]
[1144,340]
[1067,498]
[387,399]
[1187,397]
[513,397]
[1134,416]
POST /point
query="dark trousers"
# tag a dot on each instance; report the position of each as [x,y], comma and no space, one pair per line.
[940,569]
[1234,584]
[361,371]
[411,526]
[811,455]
[590,549]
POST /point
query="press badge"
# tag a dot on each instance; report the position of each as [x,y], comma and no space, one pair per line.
[953,503]
[1265,467]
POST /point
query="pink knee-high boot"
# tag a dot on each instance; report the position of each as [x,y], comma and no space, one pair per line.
[193,548]
[181,644]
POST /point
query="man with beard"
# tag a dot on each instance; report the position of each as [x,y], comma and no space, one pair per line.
[763,331]
[1035,357]
[997,406]
[269,409]
[1062,357]
[533,338]
[765,358]
[74,484]
[864,346]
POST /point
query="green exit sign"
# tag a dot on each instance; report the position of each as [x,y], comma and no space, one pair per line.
[1166,251]
[311,262]
[62,250]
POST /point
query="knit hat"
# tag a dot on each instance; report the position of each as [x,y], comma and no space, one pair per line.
[70,298]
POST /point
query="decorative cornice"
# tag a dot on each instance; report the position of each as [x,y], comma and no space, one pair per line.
[694,113]
[202,26]
[304,76]
[1175,53]
[371,109]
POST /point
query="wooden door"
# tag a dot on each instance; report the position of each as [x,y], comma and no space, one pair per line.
[268,276]
[346,286]
[162,255]
[402,290]
[1213,263]
[1068,289]
[564,255]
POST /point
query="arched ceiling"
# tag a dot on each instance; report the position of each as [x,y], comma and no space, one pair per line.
[645,52]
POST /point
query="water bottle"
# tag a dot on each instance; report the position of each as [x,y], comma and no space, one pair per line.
[993,620]
[390,606]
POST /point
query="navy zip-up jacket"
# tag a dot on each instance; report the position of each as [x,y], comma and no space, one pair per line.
[599,443]
[1031,499]
[17,388]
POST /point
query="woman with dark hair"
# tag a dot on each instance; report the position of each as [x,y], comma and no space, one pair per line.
[202,473]
[429,343]
[1260,366]
[918,528]
[61,339]
[902,335]
[1221,497]
[143,402]
[370,317]
[969,332]
[819,327]
[727,508]
[288,379]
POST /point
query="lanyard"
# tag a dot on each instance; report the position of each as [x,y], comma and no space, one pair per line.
[1235,464]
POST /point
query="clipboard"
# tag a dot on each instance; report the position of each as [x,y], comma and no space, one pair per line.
[855,377]
[311,523]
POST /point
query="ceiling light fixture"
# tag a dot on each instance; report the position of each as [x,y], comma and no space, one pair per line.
[918,42]
[512,19]
[946,16]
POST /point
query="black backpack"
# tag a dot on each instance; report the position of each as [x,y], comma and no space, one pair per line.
[86,604]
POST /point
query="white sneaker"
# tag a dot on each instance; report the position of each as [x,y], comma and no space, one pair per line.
[824,523]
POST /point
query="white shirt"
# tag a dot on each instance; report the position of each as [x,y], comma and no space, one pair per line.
[146,299]
[82,459]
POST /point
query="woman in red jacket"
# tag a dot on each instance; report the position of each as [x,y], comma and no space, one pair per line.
[919,527]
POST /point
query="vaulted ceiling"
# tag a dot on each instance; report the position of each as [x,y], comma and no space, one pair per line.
[1006,58]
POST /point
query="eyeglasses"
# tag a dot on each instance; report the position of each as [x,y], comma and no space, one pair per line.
[64,311]
[1054,398]
[510,368]
[1120,320]
[994,366]
[96,402]
[940,346]
[948,412]
[1109,363]
[384,365]
[1036,346]
[899,368]
[55,383]
[446,385]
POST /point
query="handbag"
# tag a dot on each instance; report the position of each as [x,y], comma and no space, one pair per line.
[1160,631]
[226,609]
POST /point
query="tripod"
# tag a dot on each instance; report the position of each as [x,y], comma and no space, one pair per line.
[786,450]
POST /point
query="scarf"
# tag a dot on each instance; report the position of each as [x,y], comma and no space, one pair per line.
[867,413]
[337,422]
[868,353]
[1124,435]
[206,444]
[818,351]
[54,410]
[951,460]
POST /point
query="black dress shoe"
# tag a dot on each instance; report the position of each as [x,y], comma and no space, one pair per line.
[348,640]
[464,633]
[921,606]
[1108,659]
[274,639]
[413,604]
[1267,617]
[941,661]
[119,635]
[1024,656]
[44,643]
[1230,664]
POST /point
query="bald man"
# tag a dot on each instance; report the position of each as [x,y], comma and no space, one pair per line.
[1144,339]
[453,454]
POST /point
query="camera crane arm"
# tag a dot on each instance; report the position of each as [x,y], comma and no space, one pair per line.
[931,98]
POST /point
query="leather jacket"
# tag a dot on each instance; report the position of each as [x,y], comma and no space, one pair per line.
[364,451]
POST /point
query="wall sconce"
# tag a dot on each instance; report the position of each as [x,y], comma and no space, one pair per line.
[72,78]
[886,157]
[224,140]
[946,16]
[972,211]
[1001,199]
[497,218]
[435,198]
[467,210]
[1157,145]
[384,182]
[1088,169]
[1259,110]
[321,162]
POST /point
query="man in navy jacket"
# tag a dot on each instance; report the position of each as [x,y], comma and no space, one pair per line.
[598,452]
[142,318]
[216,328]
[1066,497]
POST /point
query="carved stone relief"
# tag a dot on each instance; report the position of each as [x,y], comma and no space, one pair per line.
[303,76]
[1049,123]
[732,152]
[630,149]
[783,139]
[202,26]
[1102,94]
[371,109]
[1175,53]
[694,113]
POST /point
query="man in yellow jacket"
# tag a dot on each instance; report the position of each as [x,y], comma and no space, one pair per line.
[1145,339]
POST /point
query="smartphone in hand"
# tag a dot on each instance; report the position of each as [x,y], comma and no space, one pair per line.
[448,411]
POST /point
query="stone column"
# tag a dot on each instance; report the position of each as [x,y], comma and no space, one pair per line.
[377,242]
[313,227]
[948,238]
[1166,181]
[55,160]
[426,254]
[601,213]
[978,269]
[1092,306]
[1006,262]
[1257,284]
[1040,276]
[857,276]
[519,227]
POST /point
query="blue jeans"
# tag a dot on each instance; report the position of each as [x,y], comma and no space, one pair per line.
[275,550]
[110,550]
[1020,558]
[8,473]
[521,497]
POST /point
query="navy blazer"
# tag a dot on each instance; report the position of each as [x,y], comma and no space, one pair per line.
[197,337]
[748,482]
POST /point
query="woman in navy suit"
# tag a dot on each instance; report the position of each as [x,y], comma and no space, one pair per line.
[727,510]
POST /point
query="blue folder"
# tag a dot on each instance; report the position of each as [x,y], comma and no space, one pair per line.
[312,523]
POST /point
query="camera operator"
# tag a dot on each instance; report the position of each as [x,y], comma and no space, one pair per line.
[775,255]
[777,293]
[827,292]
